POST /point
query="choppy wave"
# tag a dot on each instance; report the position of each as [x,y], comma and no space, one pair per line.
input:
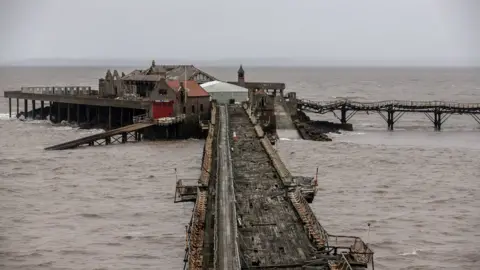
[6,116]
[416,188]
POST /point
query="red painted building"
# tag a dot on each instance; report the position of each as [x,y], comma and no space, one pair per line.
[173,98]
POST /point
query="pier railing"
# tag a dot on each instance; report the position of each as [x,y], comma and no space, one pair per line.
[342,264]
[377,105]
[355,247]
[143,118]
[169,120]
[60,90]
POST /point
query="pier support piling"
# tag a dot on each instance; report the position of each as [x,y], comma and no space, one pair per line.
[438,119]
[87,113]
[18,106]
[121,117]
[343,119]
[98,116]
[10,107]
[33,110]
[68,112]
[109,118]
[25,107]
[78,114]
[50,104]
[59,113]
[391,118]
[42,105]
[344,116]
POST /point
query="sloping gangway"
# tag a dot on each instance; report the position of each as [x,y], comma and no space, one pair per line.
[119,135]
[436,111]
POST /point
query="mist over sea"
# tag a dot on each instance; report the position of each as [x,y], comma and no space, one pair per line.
[112,207]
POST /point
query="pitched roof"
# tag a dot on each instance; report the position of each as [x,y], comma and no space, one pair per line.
[143,75]
[194,89]
[181,71]
[171,72]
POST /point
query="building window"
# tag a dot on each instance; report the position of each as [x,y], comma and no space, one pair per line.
[201,107]
[184,110]
[162,91]
[193,108]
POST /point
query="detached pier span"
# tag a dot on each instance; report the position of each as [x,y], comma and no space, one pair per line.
[391,111]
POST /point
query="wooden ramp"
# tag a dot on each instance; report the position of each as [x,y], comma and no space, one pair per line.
[119,135]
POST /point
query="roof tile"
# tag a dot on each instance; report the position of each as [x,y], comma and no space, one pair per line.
[195,90]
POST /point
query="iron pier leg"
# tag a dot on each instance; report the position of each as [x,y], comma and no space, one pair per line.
[109,118]
[124,137]
[59,113]
[68,112]
[18,106]
[25,109]
[98,115]
[50,104]
[344,115]
[438,121]
[390,120]
[78,113]
[33,109]
[121,117]
[42,105]
[107,140]
[87,108]
[10,107]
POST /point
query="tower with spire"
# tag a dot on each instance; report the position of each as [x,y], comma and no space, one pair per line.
[241,76]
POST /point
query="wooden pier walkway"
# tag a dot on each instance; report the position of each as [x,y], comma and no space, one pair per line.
[276,226]
[437,111]
[119,135]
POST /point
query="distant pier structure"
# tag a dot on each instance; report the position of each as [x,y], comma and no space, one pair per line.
[167,96]
[392,110]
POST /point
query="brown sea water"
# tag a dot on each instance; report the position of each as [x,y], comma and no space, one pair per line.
[112,207]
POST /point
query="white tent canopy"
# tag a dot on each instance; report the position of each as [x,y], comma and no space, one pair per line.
[223,92]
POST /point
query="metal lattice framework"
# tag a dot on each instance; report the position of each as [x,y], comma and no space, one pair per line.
[437,111]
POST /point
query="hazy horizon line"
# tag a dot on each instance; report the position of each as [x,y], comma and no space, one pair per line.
[236,61]
[106,66]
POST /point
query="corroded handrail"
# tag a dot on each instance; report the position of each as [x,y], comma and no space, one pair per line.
[342,264]
[358,249]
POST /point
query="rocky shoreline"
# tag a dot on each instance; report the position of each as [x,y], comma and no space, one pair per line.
[317,130]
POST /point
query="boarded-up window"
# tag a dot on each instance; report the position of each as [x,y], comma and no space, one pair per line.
[201,107]
[184,110]
[193,108]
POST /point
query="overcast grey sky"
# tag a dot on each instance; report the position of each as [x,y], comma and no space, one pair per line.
[353,31]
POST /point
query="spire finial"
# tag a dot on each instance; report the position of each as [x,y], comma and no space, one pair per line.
[240,70]
[153,63]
